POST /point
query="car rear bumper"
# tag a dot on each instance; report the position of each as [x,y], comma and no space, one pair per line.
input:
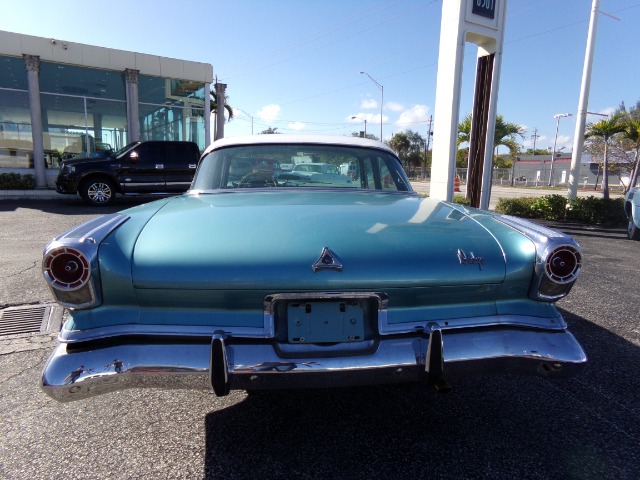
[225,364]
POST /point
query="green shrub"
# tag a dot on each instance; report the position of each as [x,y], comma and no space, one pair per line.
[597,210]
[550,207]
[15,181]
[520,207]
[557,207]
[461,199]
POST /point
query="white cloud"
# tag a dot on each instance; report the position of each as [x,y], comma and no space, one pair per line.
[368,104]
[415,114]
[297,126]
[564,141]
[269,113]
[394,106]
[361,117]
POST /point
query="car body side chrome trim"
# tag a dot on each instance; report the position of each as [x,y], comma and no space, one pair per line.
[268,330]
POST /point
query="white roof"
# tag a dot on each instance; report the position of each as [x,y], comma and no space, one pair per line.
[266,139]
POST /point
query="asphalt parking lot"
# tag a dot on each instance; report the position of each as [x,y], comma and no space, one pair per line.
[494,427]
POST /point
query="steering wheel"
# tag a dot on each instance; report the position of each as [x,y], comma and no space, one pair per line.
[257,180]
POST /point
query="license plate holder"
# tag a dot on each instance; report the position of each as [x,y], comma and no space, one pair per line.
[325,321]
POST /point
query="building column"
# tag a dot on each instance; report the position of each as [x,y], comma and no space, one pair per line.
[131,82]
[32,64]
[207,115]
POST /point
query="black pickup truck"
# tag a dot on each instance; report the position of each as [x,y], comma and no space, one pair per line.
[139,168]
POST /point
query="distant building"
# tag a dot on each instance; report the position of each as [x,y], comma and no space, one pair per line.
[60,98]
[536,169]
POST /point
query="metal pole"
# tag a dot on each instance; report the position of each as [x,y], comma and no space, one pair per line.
[365,124]
[381,98]
[553,152]
[578,137]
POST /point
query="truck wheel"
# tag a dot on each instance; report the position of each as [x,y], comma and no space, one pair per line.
[98,192]
[633,232]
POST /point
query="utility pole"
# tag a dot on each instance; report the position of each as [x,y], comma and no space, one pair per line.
[426,152]
[535,136]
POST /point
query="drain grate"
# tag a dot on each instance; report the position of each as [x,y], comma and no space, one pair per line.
[32,319]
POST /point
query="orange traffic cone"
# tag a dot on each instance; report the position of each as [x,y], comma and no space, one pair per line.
[456,184]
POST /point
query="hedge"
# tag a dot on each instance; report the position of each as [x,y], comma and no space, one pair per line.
[15,181]
[557,207]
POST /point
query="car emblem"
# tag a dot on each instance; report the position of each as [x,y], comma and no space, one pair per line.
[469,260]
[327,261]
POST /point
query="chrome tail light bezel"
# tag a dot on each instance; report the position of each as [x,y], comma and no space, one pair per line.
[551,266]
[552,281]
[80,248]
[547,285]
[75,260]
[83,291]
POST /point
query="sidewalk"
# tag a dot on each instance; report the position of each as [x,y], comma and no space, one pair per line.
[38,194]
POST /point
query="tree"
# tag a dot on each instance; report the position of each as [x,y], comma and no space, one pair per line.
[603,131]
[370,136]
[506,133]
[632,135]
[269,131]
[409,146]
[400,144]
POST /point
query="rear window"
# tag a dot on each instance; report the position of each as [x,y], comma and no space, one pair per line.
[300,166]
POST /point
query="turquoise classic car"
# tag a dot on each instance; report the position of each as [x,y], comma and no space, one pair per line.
[254,280]
[632,210]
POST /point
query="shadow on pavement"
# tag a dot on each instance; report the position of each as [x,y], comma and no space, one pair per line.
[487,427]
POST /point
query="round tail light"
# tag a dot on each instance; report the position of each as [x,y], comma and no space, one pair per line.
[66,268]
[563,264]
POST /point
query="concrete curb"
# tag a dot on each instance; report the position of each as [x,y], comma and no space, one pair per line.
[39,194]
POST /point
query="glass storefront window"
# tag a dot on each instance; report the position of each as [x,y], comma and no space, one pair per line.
[171,123]
[13,73]
[81,126]
[171,109]
[84,111]
[16,145]
[81,81]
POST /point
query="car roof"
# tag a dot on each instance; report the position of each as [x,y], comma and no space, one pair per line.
[266,139]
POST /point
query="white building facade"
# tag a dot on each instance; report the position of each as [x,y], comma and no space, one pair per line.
[60,99]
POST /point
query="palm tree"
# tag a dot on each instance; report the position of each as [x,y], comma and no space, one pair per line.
[605,130]
[505,132]
[401,144]
[632,134]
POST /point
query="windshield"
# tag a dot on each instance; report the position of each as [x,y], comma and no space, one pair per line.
[259,166]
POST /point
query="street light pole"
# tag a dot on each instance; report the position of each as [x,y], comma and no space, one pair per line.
[365,124]
[381,98]
[553,152]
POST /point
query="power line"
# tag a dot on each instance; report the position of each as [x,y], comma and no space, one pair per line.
[384,21]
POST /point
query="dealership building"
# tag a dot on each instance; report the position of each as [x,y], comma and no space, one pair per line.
[59,99]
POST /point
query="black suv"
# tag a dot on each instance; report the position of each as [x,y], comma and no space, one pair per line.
[140,167]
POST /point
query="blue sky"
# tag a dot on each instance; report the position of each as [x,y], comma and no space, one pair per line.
[294,64]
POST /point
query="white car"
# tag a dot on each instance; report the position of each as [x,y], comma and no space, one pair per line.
[315,173]
[632,209]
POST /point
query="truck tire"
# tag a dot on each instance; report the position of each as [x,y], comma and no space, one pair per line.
[98,191]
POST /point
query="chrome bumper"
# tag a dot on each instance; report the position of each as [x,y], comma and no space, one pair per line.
[75,374]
